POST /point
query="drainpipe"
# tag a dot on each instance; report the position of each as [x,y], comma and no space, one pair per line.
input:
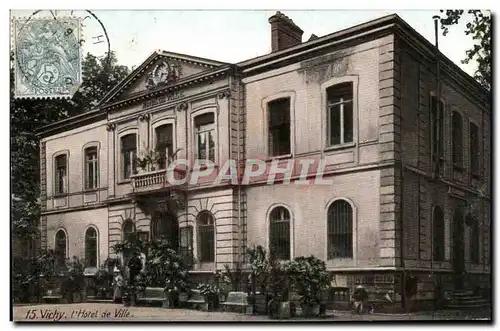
[438,98]
[401,227]
[238,160]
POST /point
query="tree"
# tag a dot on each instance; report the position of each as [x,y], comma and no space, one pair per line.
[28,115]
[479,27]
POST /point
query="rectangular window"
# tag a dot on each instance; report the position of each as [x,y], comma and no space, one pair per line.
[61,180]
[279,127]
[340,119]
[474,149]
[205,136]
[164,144]
[128,155]
[91,168]
[437,118]
[457,139]
[186,244]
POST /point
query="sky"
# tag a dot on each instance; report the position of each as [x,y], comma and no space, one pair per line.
[233,35]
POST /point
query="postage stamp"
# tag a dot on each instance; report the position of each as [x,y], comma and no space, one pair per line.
[47,57]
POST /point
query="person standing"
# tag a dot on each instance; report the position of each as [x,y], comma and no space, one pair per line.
[117,286]
[360,296]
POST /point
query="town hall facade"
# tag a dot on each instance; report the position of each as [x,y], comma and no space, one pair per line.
[410,174]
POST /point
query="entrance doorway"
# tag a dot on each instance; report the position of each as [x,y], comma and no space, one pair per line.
[458,248]
[164,226]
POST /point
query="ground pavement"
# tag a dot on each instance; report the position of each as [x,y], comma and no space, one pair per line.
[105,312]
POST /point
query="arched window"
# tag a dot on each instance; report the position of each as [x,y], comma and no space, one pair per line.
[474,253]
[163,226]
[206,237]
[279,233]
[339,230]
[91,247]
[156,230]
[60,247]
[438,234]
[128,235]
[457,139]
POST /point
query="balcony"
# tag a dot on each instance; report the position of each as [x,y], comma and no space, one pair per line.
[156,181]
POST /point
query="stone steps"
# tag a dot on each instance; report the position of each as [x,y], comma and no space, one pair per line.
[467,300]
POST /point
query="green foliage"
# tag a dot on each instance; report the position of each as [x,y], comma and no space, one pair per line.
[29,276]
[231,277]
[162,262]
[309,277]
[259,265]
[479,27]
[150,159]
[209,290]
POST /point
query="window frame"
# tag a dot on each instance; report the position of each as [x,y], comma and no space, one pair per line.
[441,127]
[199,236]
[353,230]
[475,173]
[120,159]
[194,132]
[161,122]
[66,244]
[474,227]
[442,239]
[96,162]
[126,254]
[206,130]
[290,230]
[96,247]
[354,80]
[270,138]
[57,155]
[459,164]
[291,95]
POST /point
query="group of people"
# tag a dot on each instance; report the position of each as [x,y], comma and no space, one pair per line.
[136,263]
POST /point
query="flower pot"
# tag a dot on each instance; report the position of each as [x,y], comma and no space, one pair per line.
[171,300]
[273,309]
[76,297]
[309,311]
[285,310]
[212,302]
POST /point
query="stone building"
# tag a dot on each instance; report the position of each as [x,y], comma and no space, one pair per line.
[409,199]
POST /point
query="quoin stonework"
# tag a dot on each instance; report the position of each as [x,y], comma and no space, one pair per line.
[407,204]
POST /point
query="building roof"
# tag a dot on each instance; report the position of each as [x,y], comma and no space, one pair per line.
[390,24]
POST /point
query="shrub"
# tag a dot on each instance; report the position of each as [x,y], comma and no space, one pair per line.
[309,278]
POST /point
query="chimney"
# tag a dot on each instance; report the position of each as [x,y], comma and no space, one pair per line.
[284,33]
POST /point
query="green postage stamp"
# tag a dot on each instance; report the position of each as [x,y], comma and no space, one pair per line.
[47,57]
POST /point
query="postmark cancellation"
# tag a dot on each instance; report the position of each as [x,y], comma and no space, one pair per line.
[47,57]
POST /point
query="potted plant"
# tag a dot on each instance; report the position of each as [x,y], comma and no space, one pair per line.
[278,304]
[75,280]
[168,269]
[148,159]
[310,279]
[211,294]
[259,272]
